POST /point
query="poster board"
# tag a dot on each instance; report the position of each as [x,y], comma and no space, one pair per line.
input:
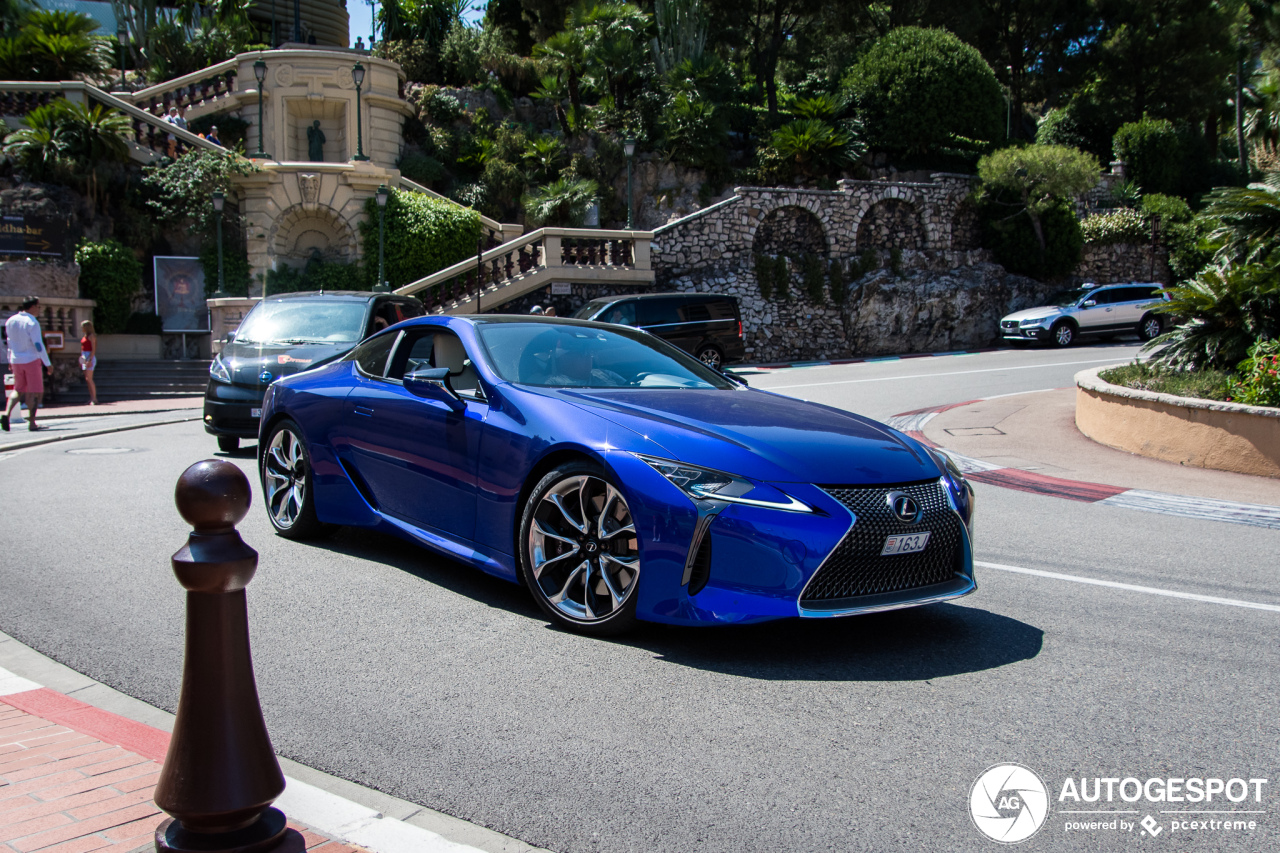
[180,294]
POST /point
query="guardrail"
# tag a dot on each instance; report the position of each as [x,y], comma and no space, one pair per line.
[514,268]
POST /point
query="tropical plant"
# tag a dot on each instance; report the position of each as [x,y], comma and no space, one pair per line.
[1247,220]
[814,146]
[566,54]
[614,44]
[1259,382]
[72,142]
[111,275]
[1224,311]
[696,131]
[682,33]
[1152,154]
[544,156]
[52,45]
[38,148]
[553,89]
[1118,226]
[427,21]
[563,202]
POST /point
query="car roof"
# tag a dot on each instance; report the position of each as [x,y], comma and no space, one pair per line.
[675,295]
[335,295]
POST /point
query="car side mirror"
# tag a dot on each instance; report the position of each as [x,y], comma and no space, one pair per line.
[1088,303]
[231,336]
[733,377]
[432,383]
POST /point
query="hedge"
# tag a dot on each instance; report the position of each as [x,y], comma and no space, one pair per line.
[423,235]
[110,275]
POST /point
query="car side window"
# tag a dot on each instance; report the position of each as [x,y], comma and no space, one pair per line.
[695,312]
[1141,294]
[658,312]
[414,353]
[623,314]
[371,356]
[1098,296]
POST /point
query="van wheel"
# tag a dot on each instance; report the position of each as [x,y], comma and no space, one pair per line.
[711,356]
[228,443]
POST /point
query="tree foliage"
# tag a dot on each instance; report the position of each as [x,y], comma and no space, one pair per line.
[111,275]
[1152,154]
[1032,182]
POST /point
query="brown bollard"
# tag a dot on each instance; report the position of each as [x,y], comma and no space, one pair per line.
[220,775]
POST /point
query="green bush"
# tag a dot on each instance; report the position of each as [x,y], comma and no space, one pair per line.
[235,266]
[1189,250]
[1152,154]
[868,260]
[836,282]
[1013,240]
[764,275]
[1169,208]
[1059,127]
[318,274]
[422,168]
[1154,377]
[1118,226]
[423,235]
[918,90]
[1259,383]
[814,275]
[782,278]
[1221,313]
[110,275]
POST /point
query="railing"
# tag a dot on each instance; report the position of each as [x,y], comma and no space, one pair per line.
[562,253]
[496,233]
[196,89]
[56,314]
[149,131]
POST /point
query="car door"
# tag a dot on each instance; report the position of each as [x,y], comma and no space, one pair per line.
[1096,317]
[662,317]
[415,457]
[1134,302]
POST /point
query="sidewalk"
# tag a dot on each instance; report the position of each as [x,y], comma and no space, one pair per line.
[67,422]
[1029,442]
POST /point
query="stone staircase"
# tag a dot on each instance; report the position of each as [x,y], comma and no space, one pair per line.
[141,380]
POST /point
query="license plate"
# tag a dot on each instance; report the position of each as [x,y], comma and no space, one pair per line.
[255,413]
[905,543]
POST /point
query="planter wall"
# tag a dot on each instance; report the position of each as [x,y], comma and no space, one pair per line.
[1188,431]
[128,347]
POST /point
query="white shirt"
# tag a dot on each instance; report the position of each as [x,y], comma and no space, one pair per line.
[25,342]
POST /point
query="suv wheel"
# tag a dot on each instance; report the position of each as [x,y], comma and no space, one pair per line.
[1150,327]
[1063,333]
[711,356]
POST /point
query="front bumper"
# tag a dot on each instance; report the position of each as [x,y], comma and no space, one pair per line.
[228,409]
[1014,332]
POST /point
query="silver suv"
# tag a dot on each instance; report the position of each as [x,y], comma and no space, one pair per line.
[1108,309]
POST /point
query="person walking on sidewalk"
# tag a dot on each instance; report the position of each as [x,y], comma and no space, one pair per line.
[89,359]
[26,352]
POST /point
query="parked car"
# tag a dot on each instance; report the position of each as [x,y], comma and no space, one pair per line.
[1093,309]
[615,476]
[707,325]
[285,334]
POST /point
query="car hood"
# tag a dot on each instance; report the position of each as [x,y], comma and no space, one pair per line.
[761,435]
[1035,313]
[246,362]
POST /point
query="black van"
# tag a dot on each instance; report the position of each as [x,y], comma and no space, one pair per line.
[708,325]
[283,335]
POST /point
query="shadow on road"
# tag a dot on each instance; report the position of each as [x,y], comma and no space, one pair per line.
[903,645]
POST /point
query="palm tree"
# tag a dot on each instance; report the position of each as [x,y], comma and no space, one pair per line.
[1247,220]
[564,202]
[566,51]
[60,45]
[39,147]
[78,141]
[1224,311]
[545,155]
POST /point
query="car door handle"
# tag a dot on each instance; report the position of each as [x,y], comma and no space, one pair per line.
[364,410]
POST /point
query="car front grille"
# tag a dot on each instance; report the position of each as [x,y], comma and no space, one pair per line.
[1008,324]
[855,568]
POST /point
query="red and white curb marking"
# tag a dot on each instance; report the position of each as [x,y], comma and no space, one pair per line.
[1255,515]
[783,365]
[335,816]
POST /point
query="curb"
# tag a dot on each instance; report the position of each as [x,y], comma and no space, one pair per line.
[37,442]
[338,817]
[781,365]
[1254,515]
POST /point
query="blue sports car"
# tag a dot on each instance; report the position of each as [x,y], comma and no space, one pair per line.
[614,475]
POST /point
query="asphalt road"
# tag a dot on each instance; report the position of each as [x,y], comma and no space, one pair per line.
[383,664]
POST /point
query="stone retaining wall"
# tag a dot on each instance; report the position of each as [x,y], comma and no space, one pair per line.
[1124,262]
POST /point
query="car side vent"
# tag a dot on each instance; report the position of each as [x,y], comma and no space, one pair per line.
[361,486]
[701,569]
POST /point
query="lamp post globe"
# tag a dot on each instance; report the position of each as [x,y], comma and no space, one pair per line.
[357,77]
[260,74]
[629,148]
[219,199]
[382,195]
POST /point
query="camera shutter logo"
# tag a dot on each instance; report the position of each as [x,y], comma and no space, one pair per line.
[1008,803]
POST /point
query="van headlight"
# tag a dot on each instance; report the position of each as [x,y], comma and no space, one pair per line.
[218,370]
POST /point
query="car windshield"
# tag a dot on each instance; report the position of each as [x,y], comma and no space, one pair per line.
[1066,298]
[586,312]
[303,322]
[573,356]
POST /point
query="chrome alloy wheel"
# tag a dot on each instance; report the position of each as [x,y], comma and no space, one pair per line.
[1150,328]
[582,548]
[284,472]
[1063,334]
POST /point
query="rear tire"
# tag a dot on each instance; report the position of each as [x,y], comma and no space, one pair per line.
[711,357]
[579,554]
[288,485]
[1150,327]
[1063,334]
[228,443]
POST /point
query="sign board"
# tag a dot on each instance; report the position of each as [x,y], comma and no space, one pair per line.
[32,236]
[180,294]
[53,341]
[561,288]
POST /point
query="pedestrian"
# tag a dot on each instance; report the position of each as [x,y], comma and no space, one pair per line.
[176,119]
[89,359]
[549,311]
[213,136]
[26,351]
[537,309]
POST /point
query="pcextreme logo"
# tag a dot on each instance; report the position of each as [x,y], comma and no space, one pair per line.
[1010,803]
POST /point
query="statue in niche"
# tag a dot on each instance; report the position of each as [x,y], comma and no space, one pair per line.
[315,143]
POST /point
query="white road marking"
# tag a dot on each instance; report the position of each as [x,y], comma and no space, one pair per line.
[1256,515]
[10,683]
[1149,590]
[931,375]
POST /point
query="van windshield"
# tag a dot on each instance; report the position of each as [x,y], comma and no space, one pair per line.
[586,312]
[303,322]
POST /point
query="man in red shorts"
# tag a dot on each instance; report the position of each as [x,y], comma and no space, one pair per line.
[26,352]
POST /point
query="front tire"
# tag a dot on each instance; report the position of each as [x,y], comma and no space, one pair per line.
[228,443]
[288,484]
[579,555]
[1063,334]
[1150,327]
[711,357]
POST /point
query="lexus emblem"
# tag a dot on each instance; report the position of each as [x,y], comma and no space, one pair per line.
[904,507]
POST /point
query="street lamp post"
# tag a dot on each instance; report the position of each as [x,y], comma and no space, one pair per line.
[629,148]
[260,73]
[357,76]
[219,200]
[297,21]
[122,35]
[383,192]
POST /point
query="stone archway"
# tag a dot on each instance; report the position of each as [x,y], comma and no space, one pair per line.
[966,227]
[890,223]
[300,234]
[791,231]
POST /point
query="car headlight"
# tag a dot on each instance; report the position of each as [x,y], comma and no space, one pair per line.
[707,484]
[218,370]
[1039,321]
[957,486]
